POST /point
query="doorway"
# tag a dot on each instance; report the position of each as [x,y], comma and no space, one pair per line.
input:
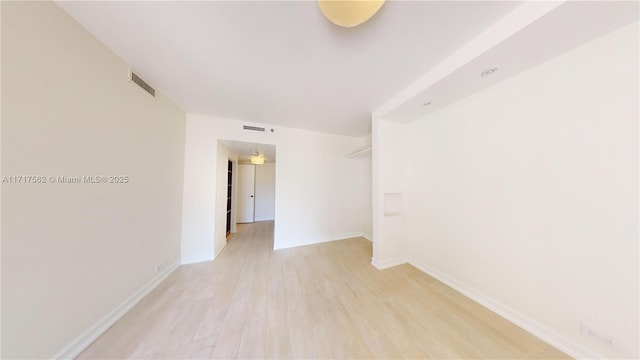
[229,198]
[230,155]
[252,183]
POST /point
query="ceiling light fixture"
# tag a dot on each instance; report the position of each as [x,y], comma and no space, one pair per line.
[256,157]
[489,71]
[257,160]
[349,13]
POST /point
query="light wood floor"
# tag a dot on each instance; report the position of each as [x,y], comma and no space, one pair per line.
[318,301]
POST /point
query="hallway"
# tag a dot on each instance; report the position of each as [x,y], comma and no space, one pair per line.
[317,301]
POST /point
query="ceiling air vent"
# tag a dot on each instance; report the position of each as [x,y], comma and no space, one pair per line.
[253,128]
[143,84]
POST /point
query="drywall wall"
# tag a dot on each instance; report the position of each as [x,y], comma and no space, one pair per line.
[365,196]
[316,185]
[363,159]
[389,157]
[74,252]
[265,192]
[526,194]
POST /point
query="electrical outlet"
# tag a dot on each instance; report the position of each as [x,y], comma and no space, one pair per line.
[598,337]
[157,268]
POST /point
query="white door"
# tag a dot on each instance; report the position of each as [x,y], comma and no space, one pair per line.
[246,188]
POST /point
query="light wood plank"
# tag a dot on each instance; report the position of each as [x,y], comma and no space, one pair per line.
[313,302]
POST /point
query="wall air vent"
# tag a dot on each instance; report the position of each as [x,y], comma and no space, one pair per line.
[253,128]
[143,84]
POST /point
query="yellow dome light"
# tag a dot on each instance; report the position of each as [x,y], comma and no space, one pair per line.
[257,160]
[349,13]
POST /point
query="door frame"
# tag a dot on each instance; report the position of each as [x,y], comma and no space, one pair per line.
[228,214]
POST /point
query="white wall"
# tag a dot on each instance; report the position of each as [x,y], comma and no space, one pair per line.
[364,161]
[72,253]
[316,185]
[526,194]
[265,193]
[365,196]
[389,156]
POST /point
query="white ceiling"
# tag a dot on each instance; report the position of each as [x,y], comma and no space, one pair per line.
[283,63]
[244,150]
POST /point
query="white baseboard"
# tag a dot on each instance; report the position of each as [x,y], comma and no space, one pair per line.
[344,236]
[550,337]
[385,264]
[193,260]
[90,335]
[367,236]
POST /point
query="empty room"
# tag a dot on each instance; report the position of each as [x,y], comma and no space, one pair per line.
[321,179]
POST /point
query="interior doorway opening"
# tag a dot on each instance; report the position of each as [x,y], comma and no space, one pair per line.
[229,196]
[250,184]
